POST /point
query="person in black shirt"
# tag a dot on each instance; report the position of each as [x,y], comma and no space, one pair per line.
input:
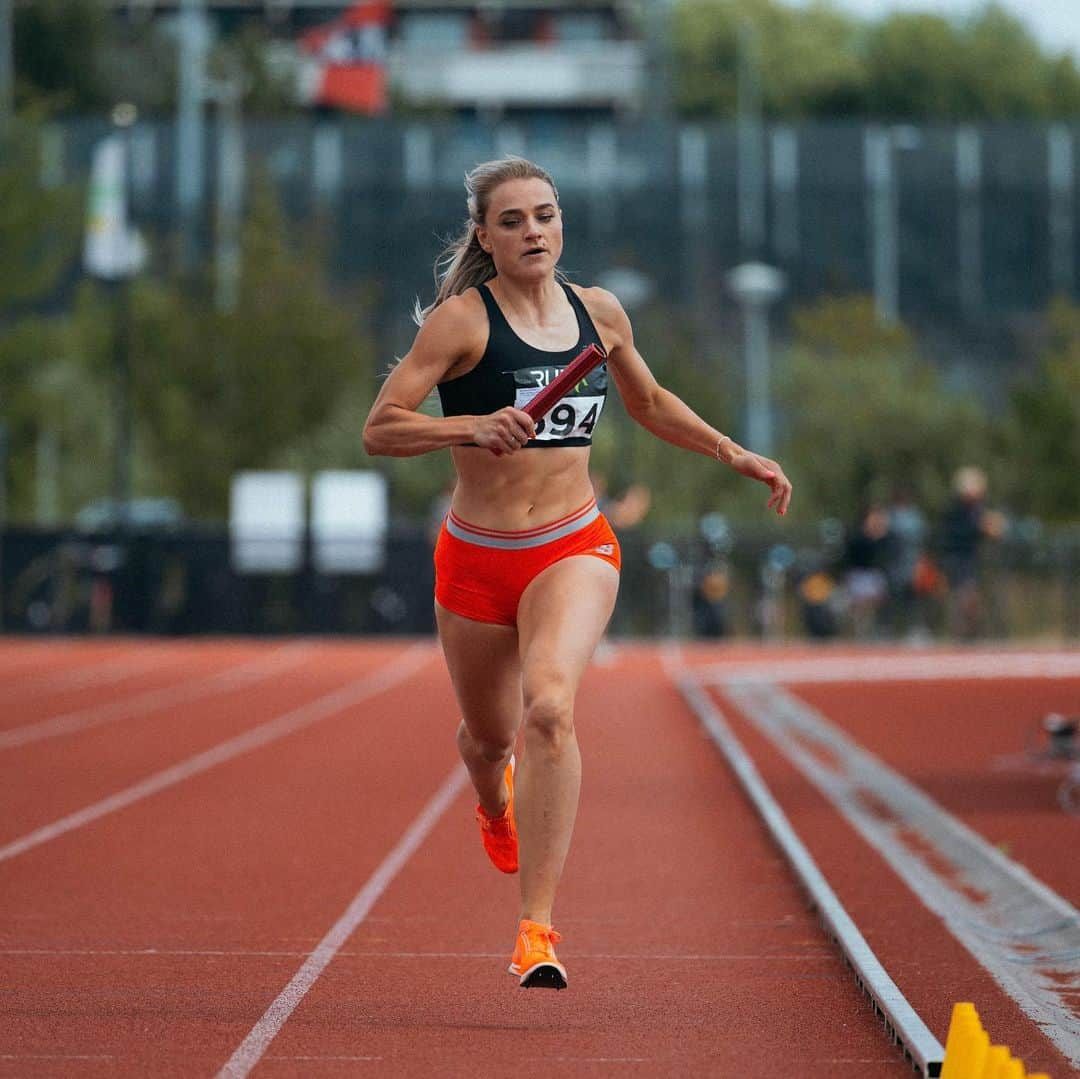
[965,524]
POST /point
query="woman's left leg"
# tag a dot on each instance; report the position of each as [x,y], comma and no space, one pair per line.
[560,619]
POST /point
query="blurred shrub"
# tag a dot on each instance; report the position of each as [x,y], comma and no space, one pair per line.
[57,46]
[44,388]
[282,380]
[1041,445]
[864,413]
[218,391]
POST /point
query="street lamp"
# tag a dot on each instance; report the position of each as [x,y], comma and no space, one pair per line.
[114,253]
[755,287]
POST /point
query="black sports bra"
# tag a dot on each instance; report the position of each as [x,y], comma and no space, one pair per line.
[512,372]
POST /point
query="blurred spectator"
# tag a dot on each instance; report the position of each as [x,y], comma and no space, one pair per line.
[819,599]
[965,524]
[626,511]
[865,580]
[903,550]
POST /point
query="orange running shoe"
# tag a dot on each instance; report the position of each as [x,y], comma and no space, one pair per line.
[534,959]
[499,834]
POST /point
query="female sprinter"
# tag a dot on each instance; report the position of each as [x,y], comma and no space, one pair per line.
[526,566]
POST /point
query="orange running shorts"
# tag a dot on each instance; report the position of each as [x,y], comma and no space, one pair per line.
[481,573]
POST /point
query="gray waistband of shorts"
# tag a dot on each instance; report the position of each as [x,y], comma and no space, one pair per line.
[512,542]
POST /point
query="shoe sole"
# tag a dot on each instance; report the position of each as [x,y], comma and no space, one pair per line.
[542,976]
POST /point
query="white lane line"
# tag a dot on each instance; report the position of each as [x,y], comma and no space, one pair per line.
[295,719]
[151,953]
[603,1060]
[56,1056]
[232,678]
[102,673]
[254,1046]
[1024,934]
[321,1058]
[907,667]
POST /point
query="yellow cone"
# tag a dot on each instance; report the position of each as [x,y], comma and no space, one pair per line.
[964,1028]
[997,1058]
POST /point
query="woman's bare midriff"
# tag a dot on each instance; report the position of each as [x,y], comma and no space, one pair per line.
[523,490]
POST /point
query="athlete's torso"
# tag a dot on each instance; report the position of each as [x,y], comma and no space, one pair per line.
[512,372]
[524,489]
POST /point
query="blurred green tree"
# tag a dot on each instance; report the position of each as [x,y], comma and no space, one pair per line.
[43,386]
[864,413]
[818,61]
[218,391]
[915,63]
[809,62]
[988,67]
[1041,447]
[57,46]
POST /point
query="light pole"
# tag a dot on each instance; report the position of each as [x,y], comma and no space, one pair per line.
[114,253]
[194,40]
[123,117]
[755,287]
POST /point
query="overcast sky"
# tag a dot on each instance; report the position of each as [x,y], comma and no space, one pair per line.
[1056,23]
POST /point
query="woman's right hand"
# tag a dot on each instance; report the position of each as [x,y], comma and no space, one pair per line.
[505,431]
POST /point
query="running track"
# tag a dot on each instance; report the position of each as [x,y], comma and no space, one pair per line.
[232,858]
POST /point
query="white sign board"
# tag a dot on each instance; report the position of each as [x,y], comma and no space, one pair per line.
[266,522]
[111,249]
[349,520]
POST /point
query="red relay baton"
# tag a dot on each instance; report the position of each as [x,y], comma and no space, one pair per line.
[586,361]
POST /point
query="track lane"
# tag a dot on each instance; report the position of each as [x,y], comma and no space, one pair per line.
[35,658]
[963,745]
[689,948]
[66,687]
[931,968]
[205,673]
[59,776]
[159,935]
[150,944]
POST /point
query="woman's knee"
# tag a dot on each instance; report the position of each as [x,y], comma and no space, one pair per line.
[491,747]
[549,709]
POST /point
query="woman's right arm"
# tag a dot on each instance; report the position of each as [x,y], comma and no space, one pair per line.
[395,428]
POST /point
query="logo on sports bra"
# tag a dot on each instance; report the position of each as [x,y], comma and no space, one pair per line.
[575,415]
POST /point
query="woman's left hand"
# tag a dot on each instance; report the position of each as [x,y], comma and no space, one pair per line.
[768,472]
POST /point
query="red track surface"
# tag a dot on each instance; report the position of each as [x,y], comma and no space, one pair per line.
[152,939]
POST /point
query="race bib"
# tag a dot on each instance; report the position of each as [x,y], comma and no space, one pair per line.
[575,415]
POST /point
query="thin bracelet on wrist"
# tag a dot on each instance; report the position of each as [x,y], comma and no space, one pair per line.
[719,443]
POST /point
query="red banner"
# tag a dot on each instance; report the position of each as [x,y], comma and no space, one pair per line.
[349,59]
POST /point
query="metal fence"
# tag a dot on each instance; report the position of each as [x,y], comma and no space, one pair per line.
[958,224]
[747,586]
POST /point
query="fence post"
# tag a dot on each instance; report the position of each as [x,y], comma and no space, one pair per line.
[884,229]
[969,219]
[785,185]
[1062,220]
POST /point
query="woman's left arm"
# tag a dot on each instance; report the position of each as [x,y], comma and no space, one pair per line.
[666,415]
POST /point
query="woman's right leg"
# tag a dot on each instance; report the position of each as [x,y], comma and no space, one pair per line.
[486,672]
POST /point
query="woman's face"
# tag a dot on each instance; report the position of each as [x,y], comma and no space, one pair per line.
[523,229]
